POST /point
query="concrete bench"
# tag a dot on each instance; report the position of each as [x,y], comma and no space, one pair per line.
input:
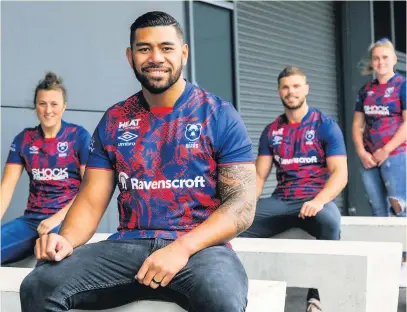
[264,296]
[366,229]
[351,276]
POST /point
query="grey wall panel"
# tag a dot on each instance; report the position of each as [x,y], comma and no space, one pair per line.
[14,120]
[273,35]
[84,42]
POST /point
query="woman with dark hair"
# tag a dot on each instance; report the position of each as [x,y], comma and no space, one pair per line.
[54,154]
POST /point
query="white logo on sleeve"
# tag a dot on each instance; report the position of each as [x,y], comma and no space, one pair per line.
[34,150]
[62,148]
[49,174]
[13,147]
[137,184]
[129,124]
[91,145]
[127,137]
[309,137]
[388,92]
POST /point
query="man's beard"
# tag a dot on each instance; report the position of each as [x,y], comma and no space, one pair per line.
[152,87]
[293,107]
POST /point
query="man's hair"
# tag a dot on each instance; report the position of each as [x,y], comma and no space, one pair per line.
[152,19]
[50,82]
[290,71]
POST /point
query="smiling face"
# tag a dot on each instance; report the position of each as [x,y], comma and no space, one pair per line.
[383,60]
[158,57]
[50,106]
[293,91]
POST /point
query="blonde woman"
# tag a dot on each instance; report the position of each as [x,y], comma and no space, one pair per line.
[379,132]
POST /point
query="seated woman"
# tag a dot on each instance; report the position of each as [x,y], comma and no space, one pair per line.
[54,154]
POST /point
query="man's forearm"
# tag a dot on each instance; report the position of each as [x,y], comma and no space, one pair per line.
[238,192]
[80,222]
[335,184]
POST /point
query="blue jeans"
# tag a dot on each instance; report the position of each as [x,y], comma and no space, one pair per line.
[385,182]
[274,216]
[18,237]
[101,276]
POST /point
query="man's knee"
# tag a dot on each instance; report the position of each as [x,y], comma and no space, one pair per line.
[40,284]
[225,296]
[329,219]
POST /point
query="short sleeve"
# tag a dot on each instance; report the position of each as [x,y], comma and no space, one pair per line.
[403,95]
[83,142]
[332,137]
[98,156]
[14,155]
[264,147]
[233,144]
[360,98]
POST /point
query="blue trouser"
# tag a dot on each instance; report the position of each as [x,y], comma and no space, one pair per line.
[18,237]
[274,216]
[102,275]
[385,182]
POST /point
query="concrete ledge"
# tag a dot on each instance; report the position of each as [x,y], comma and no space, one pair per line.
[264,296]
[367,229]
[351,276]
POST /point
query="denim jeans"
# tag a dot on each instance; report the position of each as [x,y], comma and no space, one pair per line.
[101,276]
[385,182]
[274,216]
[18,237]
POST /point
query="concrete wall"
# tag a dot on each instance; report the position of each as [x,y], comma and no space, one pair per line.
[85,43]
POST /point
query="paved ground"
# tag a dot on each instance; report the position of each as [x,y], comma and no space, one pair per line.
[295,301]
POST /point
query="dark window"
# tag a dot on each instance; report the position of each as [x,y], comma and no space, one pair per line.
[382,21]
[400,25]
[213,45]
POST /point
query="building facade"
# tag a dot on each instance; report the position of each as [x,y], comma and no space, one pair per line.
[237,49]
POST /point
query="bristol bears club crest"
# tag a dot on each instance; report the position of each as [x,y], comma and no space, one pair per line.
[309,136]
[193,131]
[62,148]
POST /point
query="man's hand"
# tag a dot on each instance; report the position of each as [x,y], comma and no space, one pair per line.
[310,209]
[48,224]
[367,159]
[381,155]
[162,265]
[52,247]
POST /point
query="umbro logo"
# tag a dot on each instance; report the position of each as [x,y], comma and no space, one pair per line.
[34,150]
[127,137]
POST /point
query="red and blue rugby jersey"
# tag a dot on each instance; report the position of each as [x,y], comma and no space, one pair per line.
[52,165]
[383,105]
[166,165]
[299,153]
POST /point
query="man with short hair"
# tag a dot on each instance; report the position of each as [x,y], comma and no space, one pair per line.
[308,150]
[183,162]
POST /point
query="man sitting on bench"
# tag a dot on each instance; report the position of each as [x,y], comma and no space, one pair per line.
[308,150]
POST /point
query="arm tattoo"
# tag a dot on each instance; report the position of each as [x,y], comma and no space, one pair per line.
[237,190]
